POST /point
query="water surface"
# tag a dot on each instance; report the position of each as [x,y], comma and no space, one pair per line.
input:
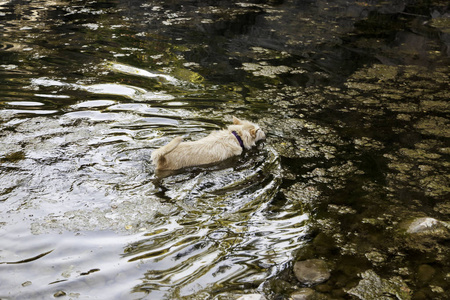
[353,97]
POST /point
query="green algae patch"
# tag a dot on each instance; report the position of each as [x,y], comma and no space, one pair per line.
[363,86]
[436,185]
[433,125]
[263,69]
[377,72]
[13,157]
[188,75]
[438,106]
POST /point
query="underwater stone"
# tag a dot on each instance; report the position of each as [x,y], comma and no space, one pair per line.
[303,294]
[301,192]
[375,257]
[280,286]
[311,271]
[265,70]
[252,297]
[26,283]
[425,273]
[426,225]
[372,287]
[341,209]
[59,294]
[437,289]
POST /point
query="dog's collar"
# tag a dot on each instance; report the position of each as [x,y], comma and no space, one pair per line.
[239,139]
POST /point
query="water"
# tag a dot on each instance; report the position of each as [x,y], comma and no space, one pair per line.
[353,97]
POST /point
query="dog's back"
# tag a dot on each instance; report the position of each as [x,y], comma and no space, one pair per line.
[216,147]
[158,156]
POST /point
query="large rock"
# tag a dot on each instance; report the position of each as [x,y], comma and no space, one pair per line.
[312,271]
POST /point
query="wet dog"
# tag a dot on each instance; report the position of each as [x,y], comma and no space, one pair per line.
[216,147]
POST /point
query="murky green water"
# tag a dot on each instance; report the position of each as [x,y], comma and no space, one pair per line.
[353,97]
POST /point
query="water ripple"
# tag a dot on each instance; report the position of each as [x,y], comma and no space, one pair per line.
[76,133]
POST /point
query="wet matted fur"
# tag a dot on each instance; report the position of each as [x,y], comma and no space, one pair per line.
[216,147]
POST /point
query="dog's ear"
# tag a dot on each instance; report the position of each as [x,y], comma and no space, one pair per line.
[253,132]
[236,121]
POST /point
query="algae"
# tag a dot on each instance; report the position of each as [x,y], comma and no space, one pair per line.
[13,157]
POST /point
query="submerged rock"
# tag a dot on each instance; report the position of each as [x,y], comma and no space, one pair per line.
[303,294]
[422,225]
[262,69]
[59,294]
[425,273]
[311,271]
[26,283]
[375,257]
[372,287]
[301,192]
[428,226]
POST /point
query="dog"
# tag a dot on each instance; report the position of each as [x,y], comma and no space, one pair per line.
[214,148]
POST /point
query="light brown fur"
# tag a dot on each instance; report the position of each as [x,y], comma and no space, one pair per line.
[216,147]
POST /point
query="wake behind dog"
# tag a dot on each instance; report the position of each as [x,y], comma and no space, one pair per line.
[216,147]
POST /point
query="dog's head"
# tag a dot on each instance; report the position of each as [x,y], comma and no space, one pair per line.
[248,131]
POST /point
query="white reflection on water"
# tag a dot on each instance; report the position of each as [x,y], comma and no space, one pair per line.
[141,72]
[135,93]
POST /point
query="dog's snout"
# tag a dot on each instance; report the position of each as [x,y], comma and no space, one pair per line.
[261,135]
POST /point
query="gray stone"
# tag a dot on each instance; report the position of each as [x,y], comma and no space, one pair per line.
[312,271]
